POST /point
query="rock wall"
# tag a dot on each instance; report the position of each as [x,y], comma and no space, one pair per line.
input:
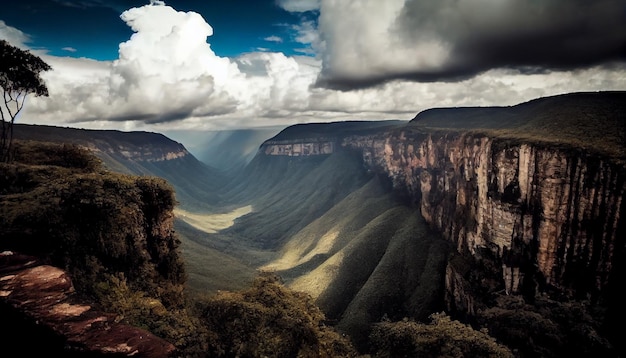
[299,148]
[147,153]
[136,146]
[550,216]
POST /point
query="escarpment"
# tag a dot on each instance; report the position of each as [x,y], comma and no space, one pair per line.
[108,144]
[532,213]
[139,153]
[548,215]
[537,214]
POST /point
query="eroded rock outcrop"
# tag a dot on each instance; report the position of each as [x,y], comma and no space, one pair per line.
[43,296]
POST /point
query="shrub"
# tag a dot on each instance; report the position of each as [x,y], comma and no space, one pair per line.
[270,320]
[443,337]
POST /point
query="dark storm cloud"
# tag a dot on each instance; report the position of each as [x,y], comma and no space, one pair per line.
[478,35]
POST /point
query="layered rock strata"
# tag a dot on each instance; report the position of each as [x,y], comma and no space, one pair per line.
[547,214]
[547,217]
[300,148]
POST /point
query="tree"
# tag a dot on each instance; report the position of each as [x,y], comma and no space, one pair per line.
[19,77]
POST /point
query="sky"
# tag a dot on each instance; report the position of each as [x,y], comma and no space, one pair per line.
[227,64]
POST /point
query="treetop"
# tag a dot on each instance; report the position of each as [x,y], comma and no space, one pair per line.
[20,70]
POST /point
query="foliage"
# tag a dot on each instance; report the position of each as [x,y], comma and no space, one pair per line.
[443,337]
[113,233]
[270,320]
[58,155]
[178,325]
[19,71]
[56,203]
[19,76]
[547,328]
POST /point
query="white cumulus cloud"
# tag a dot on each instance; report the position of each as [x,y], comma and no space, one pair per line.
[167,73]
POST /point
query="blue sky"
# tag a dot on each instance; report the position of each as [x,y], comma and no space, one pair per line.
[224,64]
[93,28]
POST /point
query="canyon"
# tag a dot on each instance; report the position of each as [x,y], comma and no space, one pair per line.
[484,213]
[537,217]
[548,214]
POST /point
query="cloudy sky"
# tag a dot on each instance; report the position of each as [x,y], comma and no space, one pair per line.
[206,65]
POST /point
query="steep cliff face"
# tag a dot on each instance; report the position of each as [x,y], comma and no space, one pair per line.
[531,213]
[542,210]
[549,215]
[299,148]
[135,146]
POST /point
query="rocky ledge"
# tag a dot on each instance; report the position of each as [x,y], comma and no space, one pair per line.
[39,300]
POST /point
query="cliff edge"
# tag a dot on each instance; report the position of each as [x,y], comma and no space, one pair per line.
[112,234]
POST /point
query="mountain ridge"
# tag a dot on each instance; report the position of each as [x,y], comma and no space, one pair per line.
[593,120]
[140,153]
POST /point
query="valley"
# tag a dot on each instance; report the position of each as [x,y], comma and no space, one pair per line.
[211,223]
[495,216]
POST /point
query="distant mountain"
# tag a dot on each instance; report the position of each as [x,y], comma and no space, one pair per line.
[333,129]
[140,153]
[595,120]
[225,149]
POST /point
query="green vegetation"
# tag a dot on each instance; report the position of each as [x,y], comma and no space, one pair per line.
[270,320]
[442,338]
[536,325]
[59,204]
[208,269]
[546,328]
[114,234]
